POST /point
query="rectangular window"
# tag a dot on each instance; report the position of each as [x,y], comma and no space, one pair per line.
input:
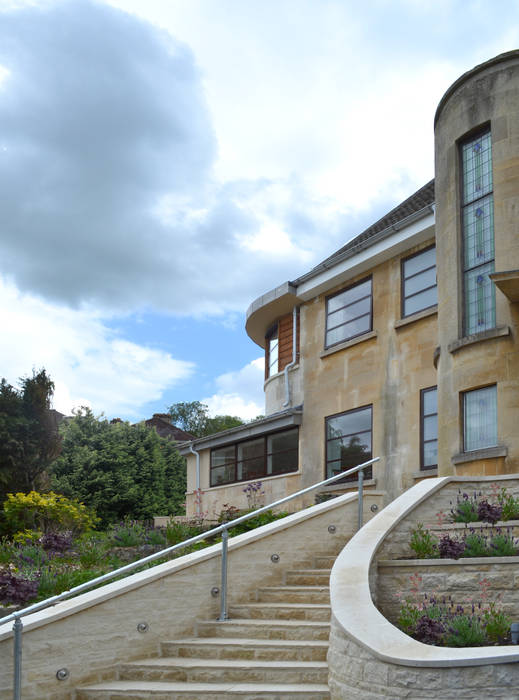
[348,441]
[429,428]
[480,418]
[478,234]
[254,459]
[349,313]
[419,282]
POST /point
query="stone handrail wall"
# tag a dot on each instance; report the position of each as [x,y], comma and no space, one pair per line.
[91,633]
[371,658]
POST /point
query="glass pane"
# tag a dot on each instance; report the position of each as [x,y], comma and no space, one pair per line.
[479,299]
[430,427]
[430,454]
[430,402]
[251,468]
[223,455]
[348,330]
[420,281]
[478,232]
[222,475]
[477,167]
[480,418]
[349,423]
[273,355]
[419,262]
[421,301]
[281,462]
[253,448]
[349,296]
[287,440]
[359,308]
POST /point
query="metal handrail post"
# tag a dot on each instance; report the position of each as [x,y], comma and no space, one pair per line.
[360,496]
[17,660]
[223,597]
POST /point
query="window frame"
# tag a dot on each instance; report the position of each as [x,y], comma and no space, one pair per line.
[423,466]
[403,280]
[368,472]
[265,437]
[464,395]
[274,329]
[368,278]
[464,205]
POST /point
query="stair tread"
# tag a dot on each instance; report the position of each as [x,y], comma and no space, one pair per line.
[295,588]
[308,571]
[195,686]
[243,641]
[172,661]
[295,606]
[255,622]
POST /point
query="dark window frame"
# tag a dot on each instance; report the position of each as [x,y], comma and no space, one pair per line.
[368,472]
[472,136]
[369,278]
[266,456]
[404,279]
[424,467]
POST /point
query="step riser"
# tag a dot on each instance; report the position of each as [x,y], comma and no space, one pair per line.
[226,675]
[295,579]
[322,632]
[266,595]
[324,562]
[273,653]
[270,613]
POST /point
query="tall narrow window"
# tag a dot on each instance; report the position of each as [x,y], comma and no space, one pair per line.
[478,234]
[348,441]
[419,282]
[429,428]
[480,418]
[272,351]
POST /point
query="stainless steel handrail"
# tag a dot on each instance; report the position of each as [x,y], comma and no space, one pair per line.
[16,616]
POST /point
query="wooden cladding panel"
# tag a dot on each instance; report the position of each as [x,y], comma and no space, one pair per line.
[284,344]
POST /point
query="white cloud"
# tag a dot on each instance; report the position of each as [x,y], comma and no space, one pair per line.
[239,393]
[88,362]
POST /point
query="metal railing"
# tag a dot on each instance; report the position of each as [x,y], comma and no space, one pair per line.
[224,529]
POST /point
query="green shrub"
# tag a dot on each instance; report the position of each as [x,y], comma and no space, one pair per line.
[475,545]
[465,631]
[46,512]
[423,543]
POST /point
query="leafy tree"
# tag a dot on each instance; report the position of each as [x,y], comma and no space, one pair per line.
[29,437]
[119,469]
[193,417]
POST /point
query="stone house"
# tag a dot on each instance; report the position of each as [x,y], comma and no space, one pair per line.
[404,343]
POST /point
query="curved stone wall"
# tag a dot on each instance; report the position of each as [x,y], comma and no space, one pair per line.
[371,658]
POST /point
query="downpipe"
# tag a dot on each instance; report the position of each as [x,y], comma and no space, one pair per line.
[197,455]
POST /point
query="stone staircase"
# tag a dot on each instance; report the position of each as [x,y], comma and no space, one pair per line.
[273,647]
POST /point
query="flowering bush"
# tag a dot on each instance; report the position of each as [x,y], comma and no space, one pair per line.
[46,512]
[255,494]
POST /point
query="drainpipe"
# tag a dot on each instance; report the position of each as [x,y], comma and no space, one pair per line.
[197,455]
[294,355]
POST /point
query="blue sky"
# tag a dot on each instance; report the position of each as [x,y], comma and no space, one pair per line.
[162,164]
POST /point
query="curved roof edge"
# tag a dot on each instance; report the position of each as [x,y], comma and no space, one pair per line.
[501,58]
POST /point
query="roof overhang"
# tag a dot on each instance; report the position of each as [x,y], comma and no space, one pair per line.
[277,421]
[392,241]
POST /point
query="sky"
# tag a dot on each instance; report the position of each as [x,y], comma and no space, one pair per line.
[163,164]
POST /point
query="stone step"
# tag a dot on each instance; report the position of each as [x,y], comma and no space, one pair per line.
[125,690]
[258,649]
[281,611]
[293,594]
[265,629]
[308,577]
[324,562]
[224,671]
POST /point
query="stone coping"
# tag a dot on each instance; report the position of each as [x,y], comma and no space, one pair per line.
[478,525]
[386,563]
[142,578]
[354,610]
